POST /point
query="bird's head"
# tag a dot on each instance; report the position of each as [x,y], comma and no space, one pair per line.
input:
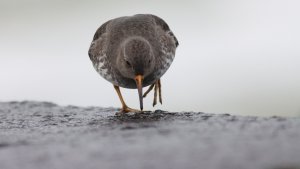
[136,61]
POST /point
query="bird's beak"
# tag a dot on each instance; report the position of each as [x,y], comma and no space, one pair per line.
[139,83]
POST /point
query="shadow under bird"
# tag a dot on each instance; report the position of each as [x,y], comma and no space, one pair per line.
[134,52]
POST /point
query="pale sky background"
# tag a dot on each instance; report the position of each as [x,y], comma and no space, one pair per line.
[235,56]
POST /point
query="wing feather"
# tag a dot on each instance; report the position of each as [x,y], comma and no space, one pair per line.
[98,47]
[164,26]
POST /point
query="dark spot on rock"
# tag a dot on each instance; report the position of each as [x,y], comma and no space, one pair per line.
[128,127]
[24,102]
[164,131]
[231,118]
[278,118]
[3,145]
[89,108]
[72,107]
[95,122]
[48,116]
[13,102]
[18,143]
[63,121]
[49,104]
[36,114]
[205,117]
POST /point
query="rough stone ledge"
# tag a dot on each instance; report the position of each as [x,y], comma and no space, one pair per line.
[43,135]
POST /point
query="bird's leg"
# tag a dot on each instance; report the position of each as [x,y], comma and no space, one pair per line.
[125,108]
[149,90]
[155,94]
[159,91]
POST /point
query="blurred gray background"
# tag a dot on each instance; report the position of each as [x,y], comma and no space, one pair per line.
[235,56]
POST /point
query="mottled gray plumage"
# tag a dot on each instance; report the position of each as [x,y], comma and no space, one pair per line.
[136,37]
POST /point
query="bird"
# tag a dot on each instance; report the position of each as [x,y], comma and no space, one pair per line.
[134,52]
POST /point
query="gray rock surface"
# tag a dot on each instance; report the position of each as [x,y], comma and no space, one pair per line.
[42,135]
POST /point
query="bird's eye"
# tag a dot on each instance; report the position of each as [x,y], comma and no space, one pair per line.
[149,61]
[128,64]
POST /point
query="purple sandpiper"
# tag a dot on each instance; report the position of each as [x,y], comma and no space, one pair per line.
[134,52]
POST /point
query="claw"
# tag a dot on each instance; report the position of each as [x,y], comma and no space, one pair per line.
[125,108]
[128,109]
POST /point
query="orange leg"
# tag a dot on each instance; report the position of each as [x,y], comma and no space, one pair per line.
[149,90]
[125,108]
[157,89]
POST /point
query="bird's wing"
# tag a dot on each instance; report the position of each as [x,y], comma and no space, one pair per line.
[101,30]
[99,44]
[167,44]
[164,26]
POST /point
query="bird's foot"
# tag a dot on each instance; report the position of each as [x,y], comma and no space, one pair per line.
[157,89]
[127,109]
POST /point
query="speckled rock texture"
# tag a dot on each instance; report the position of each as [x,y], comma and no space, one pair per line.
[42,135]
